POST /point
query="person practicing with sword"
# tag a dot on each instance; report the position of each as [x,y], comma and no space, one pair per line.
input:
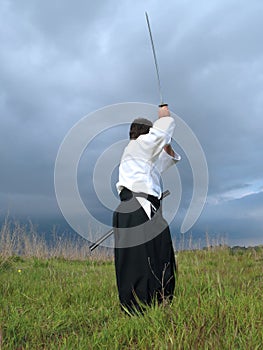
[144,257]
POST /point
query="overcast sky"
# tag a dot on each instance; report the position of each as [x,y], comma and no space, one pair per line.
[62,60]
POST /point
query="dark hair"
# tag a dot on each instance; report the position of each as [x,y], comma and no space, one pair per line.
[140,126]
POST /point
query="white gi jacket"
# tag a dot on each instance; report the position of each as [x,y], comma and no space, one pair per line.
[144,160]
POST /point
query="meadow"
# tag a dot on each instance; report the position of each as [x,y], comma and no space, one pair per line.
[67,299]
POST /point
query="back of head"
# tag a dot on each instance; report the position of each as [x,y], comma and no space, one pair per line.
[139,126]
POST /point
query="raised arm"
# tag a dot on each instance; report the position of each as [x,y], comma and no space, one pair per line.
[160,134]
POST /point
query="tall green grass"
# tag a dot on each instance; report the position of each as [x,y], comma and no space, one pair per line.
[59,303]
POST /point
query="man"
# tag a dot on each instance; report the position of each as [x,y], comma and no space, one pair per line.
[144,256]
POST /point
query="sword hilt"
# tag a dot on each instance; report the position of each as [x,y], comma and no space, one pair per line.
[163,105]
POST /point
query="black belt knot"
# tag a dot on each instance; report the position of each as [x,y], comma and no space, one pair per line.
[127,194]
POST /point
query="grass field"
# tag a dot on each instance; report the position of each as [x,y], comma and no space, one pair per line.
[57,303]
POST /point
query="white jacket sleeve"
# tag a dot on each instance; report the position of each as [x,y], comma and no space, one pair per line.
[159,135]
[165,161]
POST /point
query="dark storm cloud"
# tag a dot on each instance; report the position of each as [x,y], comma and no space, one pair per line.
[61,60]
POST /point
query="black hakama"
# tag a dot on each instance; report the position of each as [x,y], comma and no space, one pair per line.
[144,257]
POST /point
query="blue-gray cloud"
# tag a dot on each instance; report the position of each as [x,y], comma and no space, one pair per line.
[60,61]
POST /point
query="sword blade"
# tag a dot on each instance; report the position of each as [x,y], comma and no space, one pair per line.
[155,61]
